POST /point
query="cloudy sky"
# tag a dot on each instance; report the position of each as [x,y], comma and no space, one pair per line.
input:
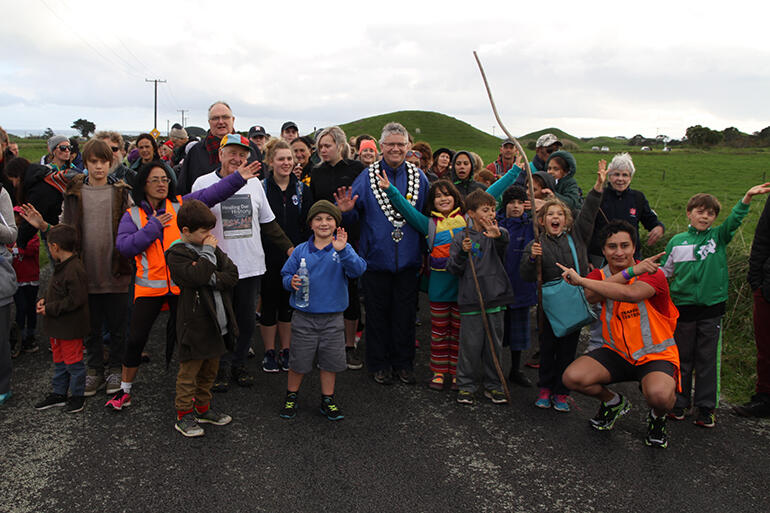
[589,68]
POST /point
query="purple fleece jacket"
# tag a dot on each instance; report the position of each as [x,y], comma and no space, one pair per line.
[131,241]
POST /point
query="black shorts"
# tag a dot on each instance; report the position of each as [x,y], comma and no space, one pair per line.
[621,369]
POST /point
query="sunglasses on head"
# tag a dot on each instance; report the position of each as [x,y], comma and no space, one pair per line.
[64,148]
[412,153]
[115,149]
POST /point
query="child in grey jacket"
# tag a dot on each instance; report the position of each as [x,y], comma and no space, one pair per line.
[485,243]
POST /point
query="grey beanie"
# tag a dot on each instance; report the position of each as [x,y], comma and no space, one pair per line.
[178,133]
[55,141]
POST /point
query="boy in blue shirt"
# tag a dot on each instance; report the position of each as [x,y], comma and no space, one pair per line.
[318,328]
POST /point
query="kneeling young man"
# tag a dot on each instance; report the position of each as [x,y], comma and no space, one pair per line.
[638,321]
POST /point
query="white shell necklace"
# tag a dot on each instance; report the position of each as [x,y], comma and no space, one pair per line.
[412,193]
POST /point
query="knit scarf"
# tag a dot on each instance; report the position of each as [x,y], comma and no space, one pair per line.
[212,146]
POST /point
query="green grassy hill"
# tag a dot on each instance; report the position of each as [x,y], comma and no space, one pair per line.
[437,129]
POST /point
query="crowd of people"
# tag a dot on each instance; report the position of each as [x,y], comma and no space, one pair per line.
[302,234]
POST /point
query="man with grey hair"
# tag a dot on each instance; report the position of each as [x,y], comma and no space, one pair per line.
[393,253]
[203,158]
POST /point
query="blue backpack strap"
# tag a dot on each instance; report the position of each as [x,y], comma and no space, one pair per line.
[574,253]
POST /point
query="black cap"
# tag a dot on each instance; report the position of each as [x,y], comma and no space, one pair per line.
[257,130]
[289,124]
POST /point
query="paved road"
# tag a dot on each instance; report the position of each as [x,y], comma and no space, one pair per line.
[400,448]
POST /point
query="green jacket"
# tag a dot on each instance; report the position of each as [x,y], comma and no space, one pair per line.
[567,188]
[695,262]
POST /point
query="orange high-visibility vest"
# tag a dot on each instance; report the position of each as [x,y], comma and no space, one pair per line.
[152,276]
[637,331]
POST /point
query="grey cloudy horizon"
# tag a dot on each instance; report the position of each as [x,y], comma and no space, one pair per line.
[593,69]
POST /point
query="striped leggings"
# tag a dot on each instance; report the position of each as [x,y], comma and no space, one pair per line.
[445,335]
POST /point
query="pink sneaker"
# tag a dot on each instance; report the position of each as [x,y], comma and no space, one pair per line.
[119,400]
[544,398]
[560,403]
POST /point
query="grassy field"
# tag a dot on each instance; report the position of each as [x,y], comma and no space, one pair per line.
[667,179]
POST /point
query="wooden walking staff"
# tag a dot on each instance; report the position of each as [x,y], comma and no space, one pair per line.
[535,227]
[484,319]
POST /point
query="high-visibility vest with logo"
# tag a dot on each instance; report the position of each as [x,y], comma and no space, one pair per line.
[637,331]
[152,275]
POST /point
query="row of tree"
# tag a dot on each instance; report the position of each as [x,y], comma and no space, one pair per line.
[704,137]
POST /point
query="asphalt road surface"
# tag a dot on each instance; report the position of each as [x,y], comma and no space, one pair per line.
[399,448]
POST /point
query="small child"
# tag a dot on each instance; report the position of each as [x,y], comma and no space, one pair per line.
[319,328]
[695,264]
[64,308]
[205,319]
[513,217]
[555,219]
[485,243]
[26,263]
[562,166]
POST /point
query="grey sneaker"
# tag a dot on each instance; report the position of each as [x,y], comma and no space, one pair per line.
[212,417]
[113,382]
[94,383]
[188,426]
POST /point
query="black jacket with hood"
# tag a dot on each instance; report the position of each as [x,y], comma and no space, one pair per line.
[468,185]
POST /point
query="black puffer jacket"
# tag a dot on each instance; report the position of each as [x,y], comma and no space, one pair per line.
[43,196]
[759,260]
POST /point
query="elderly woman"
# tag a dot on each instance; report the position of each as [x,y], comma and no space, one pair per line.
[621,202]
[334,172]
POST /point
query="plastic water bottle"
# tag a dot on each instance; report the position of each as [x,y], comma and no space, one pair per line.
[302,295]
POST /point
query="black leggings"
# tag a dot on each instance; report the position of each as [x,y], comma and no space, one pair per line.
[275,299]
[146,310]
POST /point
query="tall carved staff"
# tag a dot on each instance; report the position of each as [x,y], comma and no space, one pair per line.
[535,227]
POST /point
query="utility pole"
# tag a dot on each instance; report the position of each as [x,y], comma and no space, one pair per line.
[183,111]
[155,119]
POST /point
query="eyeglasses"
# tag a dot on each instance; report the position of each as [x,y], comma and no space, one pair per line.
[64,148]
[394,145]
[412,153]
[220,118]
[115,149]
[157,180]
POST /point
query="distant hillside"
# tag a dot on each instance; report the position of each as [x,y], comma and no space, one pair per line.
[439,130]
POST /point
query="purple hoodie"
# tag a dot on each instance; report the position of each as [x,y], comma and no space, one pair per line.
[131,241]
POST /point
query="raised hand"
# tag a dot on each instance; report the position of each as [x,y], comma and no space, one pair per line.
[491,229]
[571,276]
[649,264]
[341,240]
[763,188]
[345,199]
[601,175]
[250,171]
[384,183]
[32,216]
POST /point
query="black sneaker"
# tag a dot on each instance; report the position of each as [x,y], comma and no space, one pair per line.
[29,345]
[75,404]
[289,410]
[383,377]
[188,426]
[269,363]
[705,418]
[758,407]
[657,435]
[51,401]
[406,376]
[222,382]
[517,377]
[283,360]
[677,414]
[605,418]
[242,377]
[353,359]
[330,408]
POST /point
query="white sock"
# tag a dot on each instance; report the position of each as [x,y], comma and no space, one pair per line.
[126,387]
[615,399]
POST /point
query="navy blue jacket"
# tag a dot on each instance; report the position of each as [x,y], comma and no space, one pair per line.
[630,205]
[376,245]
[520,233]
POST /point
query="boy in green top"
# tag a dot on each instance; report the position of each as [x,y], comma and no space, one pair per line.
[695,264]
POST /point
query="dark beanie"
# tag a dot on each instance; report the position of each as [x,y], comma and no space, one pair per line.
[325,207]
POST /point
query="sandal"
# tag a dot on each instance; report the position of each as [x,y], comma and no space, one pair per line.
[437,383]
